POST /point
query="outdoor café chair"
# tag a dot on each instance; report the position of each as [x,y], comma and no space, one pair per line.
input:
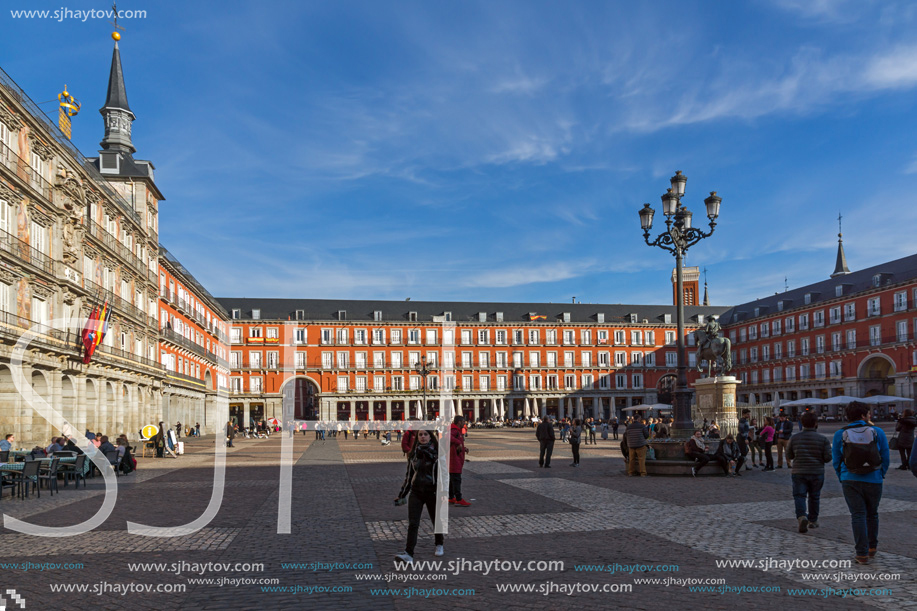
[74,471]
[5,456]
[50,476]
[27,478]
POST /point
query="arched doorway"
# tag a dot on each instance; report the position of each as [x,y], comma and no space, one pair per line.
[875,376]
[302,391]
[665,390]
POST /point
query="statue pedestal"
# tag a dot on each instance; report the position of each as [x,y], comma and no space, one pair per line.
[716,400]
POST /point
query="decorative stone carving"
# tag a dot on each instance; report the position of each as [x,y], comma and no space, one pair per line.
[8,118]
[9,194]
[10,275]
[40,148]
[41,291]
[40,216]
[68,297]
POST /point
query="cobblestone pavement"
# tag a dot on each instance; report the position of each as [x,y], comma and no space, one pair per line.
[588,519]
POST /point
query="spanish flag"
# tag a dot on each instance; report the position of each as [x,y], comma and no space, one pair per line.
[95,330]
[537,317]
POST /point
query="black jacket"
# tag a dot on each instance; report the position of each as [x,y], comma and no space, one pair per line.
[545,432]
[905,429]
[809,451]
[784,429]
[729,451]
[422,471]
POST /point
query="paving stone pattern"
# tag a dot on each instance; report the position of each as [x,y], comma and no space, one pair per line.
[342,495]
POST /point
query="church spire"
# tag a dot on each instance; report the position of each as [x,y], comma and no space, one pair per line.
[116,112]
[840,267]
[706,297]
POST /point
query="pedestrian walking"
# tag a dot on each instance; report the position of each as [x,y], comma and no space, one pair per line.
[592,431]
[809,451]
[636,436]
[861,459]
[696,449]
[419,491]
[756,449]
[545,436]
[766,436]
[784,432]
[457,451]
[614,428]
[178,430]
[905,436]
[604,430]
[576,434]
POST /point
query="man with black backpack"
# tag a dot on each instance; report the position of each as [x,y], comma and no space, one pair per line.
[860,453]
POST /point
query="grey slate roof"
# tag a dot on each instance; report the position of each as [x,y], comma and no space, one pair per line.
[462,311]
[117,94]
[890,272]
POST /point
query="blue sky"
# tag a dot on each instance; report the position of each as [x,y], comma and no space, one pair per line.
[500,151]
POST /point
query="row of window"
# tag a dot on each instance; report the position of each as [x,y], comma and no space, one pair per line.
[342,360]
[467,337]
[793,373]
[846,340]
[485,383]
[836,315]
[189,303]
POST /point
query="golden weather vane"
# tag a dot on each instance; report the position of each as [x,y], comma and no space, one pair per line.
[69,107]
[116,36]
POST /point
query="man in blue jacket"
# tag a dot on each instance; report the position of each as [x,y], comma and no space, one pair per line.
[860,457]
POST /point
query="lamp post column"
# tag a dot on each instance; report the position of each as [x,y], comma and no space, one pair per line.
[684,423]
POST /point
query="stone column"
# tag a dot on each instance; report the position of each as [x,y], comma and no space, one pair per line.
[561,412]
[716,399]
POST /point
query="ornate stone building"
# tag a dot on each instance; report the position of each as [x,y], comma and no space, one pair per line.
[75,232]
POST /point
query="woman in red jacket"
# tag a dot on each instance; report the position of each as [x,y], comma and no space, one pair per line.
[457,451]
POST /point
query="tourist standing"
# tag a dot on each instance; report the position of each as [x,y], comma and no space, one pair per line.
[860,453]
[576,433]
[636,436]
[545,436]
[420,484]
[159,441]
[766,436]
[592,431]
[742,438]
[905,430]
[178,430]
[809,451]
[230,434]
[784,432]
[604,430]
[457,451]
[614,427]
[757,450]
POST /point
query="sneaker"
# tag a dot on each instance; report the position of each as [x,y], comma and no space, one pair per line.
[439,551]
[547,466]
[405,557]
[862,559]
[463,503]
[452,501]
[693,471]
[803,524]
[812,524]
[872,552]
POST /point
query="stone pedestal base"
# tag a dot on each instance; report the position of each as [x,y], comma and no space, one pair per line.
[671,459]
[716,400]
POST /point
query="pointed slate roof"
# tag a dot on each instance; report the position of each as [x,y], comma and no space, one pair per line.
[117,94]
[840,268]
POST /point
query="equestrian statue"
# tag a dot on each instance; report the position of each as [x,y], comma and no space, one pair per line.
[716,350]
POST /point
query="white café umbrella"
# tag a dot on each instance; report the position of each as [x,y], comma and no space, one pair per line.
[840,400]
[528,409]
[579,408]
[876,400]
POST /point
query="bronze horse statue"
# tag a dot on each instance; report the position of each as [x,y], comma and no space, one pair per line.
[717,351]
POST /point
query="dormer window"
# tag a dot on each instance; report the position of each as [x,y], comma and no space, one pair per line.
[600,317]
[377,315]
[236,314]
[808,298]
[448,316]
[633,318]
[482,316]
[412,316]
[300,314]
[499,316]
[256,314]
[566,316]
[342,314]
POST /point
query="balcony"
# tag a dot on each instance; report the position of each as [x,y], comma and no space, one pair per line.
[114,245]
[118,303]
[170,335]
[25,253]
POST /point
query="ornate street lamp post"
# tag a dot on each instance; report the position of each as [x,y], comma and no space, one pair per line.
[423,371]
[678,236]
